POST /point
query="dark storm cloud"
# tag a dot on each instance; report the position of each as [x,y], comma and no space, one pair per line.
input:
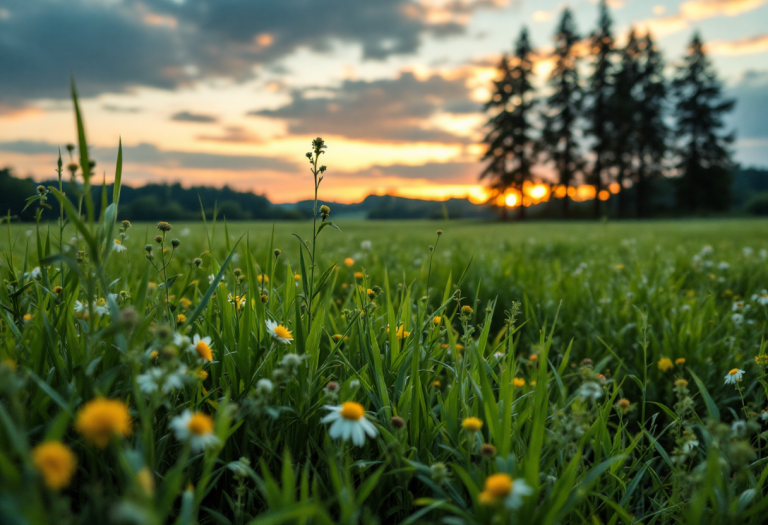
[115,46]
[150,154]
[106,48]
[390,109]
[751,94]
[186,116]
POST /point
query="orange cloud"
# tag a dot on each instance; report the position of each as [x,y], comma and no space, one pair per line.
[695,10]
[744,46]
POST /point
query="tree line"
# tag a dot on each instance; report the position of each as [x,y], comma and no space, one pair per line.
[610,116]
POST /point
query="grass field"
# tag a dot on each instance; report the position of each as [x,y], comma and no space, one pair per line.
[575,374]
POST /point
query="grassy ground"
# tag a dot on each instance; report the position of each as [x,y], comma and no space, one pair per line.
[575,373]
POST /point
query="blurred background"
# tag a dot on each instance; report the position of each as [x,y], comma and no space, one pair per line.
[229,94]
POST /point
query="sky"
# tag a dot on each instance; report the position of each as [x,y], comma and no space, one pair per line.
[215,92]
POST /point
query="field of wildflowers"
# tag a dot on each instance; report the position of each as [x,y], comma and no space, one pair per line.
[387,373]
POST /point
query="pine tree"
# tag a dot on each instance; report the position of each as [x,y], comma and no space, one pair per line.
[563,108]
[652,130]
[599,94]
[705,163]
[624,114]
[511,147]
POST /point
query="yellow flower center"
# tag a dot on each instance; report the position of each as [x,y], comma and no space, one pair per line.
[498,485]
[204,351]
[473,424]
[283,332]
[117,241]
[200,424]
[734,372]
[352,411]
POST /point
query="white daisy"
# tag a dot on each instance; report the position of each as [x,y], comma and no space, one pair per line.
[34,274]
[349,422]
[101,307]
[365,245]
[519,489]
[279,332]
[761,298]
[689,446]
[197,428]
[80,308]
[150,381]
[734,376]
[201,347]
[723,266]
[118,246]
[591,390]
[737,319]
[747,251]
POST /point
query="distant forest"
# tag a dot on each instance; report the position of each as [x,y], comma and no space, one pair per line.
[610,119]
[155,202]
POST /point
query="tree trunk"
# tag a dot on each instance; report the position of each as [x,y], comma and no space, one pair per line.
[598,176]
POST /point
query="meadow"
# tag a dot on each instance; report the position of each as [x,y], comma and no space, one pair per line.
[380,372]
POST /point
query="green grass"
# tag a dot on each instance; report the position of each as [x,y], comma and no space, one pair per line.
[566,341]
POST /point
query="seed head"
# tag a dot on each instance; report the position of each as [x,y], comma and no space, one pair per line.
[41,190]
[73,167]
[70,148]
[398,422]
[277,252]
[126,224]
[332,386]
[197,261]
[439,233]
[148,248]
[238,272]
[158,239]
[128,319]
[325,211]
[264,298]
[488,451]
[175,243]
[164,227]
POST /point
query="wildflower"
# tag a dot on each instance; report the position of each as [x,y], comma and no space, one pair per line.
[118,246]
[237,300]
[262,278]
[36,273]
[279,332]
[27,318]
[264,387]
[297,277]
[212,277]
[737,319]
[358,275]
[401,333]
[202,345]
[501,487]
[761,360]
[472,424]
[437,320]
[591,390]
[365,245]
[101,419]
[623,405]
[164,227]
[201,374]
[680,361]
[488,451]
[185,303]
[337,337]
[761,298]
[181,319]
[436,384]
[56,462]
[734,376]
[439,472]
[518,382]
[466,310]
[349,261]
[195,427]
[619,267]
[155,379]
[349,422]
[738,427]
[665,364]
[325,211]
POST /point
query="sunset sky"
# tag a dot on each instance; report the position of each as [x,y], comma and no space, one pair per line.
[231,92]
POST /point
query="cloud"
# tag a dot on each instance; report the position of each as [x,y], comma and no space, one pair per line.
[444,172]
[165,44]
[382,110]
[232,134]
[701,9]
[149,154]
[695,10]
[112,108]
[187,116]
[542,16]
[744,46]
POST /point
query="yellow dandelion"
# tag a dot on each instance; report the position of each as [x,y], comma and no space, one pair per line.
[358,275]
[437,319]
[498,485]
[518,382]
[349,261]
[56,462]
[101,418]
[472,424]
[680,361]
[665,364]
